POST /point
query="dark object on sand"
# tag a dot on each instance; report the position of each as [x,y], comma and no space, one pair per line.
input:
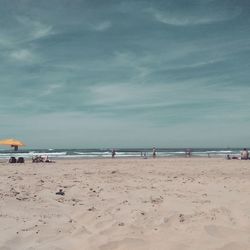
[235,158]
[37,159]
[20,160]
[12,159]
[60,192]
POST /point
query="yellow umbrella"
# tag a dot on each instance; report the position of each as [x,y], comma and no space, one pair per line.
[13,143]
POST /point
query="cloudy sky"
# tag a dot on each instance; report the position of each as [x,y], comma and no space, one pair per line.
[123,73]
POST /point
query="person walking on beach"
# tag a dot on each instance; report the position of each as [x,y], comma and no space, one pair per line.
[154,152]
[113,153]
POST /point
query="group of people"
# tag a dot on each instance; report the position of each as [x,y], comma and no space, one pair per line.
[39,158]
[188,153]
[36,159]
[244,155]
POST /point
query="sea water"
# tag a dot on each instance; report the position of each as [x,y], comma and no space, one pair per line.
[120,152]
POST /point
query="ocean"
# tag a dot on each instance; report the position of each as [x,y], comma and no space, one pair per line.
[120,153]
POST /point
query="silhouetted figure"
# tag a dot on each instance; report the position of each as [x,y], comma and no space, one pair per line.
[113,153]
[154,152]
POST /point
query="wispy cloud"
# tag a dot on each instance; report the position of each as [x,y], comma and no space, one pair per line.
[102,26]
[114,94]
[35,29]
[5,42]
[50,89]
[22,55]
[19,46]
[41,30]
[193,17]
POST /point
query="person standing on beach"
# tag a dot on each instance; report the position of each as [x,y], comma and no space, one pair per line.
[113,153]
[154,152]
[188,152]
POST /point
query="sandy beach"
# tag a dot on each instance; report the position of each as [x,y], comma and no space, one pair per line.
[109,204]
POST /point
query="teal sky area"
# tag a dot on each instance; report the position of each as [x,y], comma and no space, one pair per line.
[123,73]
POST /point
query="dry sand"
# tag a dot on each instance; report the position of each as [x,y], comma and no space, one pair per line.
[170,204]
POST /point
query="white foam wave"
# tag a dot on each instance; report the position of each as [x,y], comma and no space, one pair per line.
[93,153]
[31,154]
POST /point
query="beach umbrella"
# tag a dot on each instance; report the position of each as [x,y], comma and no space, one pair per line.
[13,143]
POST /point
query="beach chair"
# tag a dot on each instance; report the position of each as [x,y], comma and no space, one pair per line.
[20,160]
[12,159]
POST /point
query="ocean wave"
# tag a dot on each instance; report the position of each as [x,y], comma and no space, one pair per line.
[92,153]
[106,153]
[31,154]
[55,153]
[217,152]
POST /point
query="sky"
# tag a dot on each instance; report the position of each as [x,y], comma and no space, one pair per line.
[123,73]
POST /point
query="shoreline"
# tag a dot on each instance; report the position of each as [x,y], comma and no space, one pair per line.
[5,160]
